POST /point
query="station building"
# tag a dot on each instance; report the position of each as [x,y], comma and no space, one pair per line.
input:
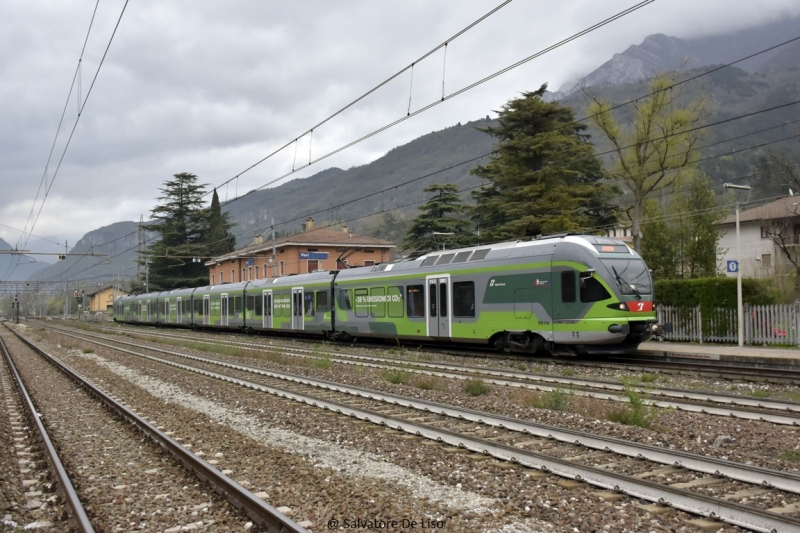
[326,248]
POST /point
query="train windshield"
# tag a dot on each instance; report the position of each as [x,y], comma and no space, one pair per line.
[630,275]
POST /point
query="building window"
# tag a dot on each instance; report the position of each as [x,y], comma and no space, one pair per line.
[369,263]
[281,268]
[313,265]
[233,275]
[766,260]
[221,280]
[256,271]
[212,279]
[243,275]
[764,233]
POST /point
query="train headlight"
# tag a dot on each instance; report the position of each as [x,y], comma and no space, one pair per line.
[621,306]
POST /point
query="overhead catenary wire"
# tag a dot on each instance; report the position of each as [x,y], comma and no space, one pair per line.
[77,119]
[707,72]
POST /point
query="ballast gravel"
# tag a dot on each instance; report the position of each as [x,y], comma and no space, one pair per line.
[321,467]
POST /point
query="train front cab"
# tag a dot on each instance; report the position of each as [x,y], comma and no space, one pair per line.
[602,298]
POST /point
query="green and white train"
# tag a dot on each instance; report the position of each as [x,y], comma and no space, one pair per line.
[563,294]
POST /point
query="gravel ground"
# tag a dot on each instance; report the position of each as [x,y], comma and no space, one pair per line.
[125,482]
[324,467]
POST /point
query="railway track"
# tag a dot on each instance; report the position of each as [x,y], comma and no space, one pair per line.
[718,404]
[755,498]
[87,423]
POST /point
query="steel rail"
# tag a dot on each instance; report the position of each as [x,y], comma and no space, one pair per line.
[78,516]
[700,504]
[241,498]
[789,416]
[789,482]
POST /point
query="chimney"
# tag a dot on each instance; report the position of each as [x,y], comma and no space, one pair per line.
[309,225]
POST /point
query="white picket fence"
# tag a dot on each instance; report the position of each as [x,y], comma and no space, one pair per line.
[763,324]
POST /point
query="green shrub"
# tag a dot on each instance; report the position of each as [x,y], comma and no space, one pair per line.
[636,413]
[648,378]
[569,372]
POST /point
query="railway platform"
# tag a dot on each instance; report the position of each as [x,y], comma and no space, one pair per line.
[750,354]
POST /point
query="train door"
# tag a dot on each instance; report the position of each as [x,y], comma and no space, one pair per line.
[438,309]
[267,295]
[223,311]
[147,312]
[166,316]
[206,309]
[179,310]
[298,321]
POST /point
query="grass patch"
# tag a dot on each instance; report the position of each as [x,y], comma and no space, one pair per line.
[554,400]
[569,372]
[557,399]
[476,387]
[648,378]
[428,383]
[396,376]
[88,350]
[759,393]
[790,455]
[322,363]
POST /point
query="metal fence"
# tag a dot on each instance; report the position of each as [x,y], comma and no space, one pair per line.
[763,324]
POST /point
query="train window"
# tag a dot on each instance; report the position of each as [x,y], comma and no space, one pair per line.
[378,302]
[237,305]
[308,304]
[322,300]
[568,286]
[345,299]
[395,301]
[415,300]
[198,306]
[445,259]
[480,254]
[429,261]
[362,302]
[592,290]
[443,299]
[432,299]
[464,299]
[461,257]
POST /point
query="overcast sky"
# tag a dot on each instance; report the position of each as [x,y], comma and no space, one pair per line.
[212,87]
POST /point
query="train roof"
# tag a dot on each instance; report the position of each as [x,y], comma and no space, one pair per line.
[539,246]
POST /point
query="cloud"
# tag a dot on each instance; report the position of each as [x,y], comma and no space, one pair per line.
[212,87]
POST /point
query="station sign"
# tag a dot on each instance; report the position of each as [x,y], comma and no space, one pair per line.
[313,255]
[733,266]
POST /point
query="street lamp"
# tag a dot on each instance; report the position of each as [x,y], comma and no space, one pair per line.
[739,312]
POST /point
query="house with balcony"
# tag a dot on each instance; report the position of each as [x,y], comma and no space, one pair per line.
[765,232]
[326,248]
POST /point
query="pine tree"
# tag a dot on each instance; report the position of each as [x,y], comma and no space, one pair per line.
[544,177]
[220,239]
[182,223]
[443,213]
